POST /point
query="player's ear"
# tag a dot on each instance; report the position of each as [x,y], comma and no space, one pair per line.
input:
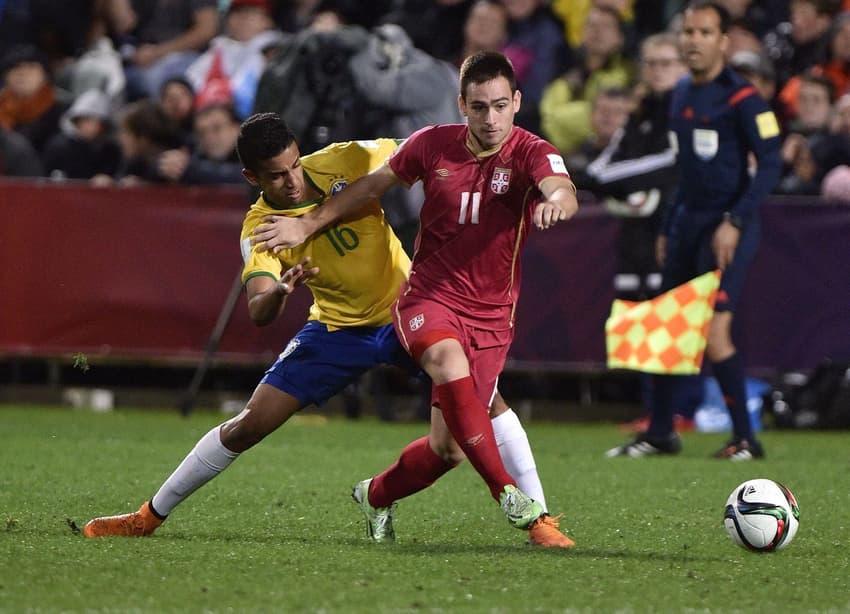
[461,104]
[517,101]
[250,177]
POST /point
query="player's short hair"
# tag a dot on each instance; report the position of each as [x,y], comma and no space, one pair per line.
[262,137]
[723,15]
[485,66]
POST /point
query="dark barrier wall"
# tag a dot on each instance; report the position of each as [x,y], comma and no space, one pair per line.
[142,273]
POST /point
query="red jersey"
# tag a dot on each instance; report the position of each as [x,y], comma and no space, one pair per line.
[476,216]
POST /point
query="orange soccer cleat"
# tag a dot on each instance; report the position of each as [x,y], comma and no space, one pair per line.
[137,524]
[544,532]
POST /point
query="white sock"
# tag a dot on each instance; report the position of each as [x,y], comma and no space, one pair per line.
[516,454]
[207,459]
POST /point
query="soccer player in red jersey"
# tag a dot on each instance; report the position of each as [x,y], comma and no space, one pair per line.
[486,182]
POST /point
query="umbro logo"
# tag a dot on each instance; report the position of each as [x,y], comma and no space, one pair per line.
[443,172]
[474,441]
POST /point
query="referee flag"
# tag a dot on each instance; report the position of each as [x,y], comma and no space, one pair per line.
[666,334]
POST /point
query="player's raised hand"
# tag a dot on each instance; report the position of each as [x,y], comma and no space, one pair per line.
[279,232]
[296,276]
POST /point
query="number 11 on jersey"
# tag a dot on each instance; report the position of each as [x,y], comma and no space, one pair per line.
[464,206]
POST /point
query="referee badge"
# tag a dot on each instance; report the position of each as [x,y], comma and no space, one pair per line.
[705,143]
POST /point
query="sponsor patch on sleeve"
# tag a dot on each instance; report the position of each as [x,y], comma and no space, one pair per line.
[767,125]
[556,162]
[245,248]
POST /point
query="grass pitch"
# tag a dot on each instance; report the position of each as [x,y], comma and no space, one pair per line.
[277,531]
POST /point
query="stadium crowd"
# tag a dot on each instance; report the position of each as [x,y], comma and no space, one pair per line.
[130,91]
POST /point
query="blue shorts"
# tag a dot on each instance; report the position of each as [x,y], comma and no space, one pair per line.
[317,363]
[689,254]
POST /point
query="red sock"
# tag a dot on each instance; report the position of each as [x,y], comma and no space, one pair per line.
[416,469]
[469,423]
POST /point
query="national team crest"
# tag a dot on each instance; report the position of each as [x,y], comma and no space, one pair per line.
[416,321]
[338,186]
[501,180]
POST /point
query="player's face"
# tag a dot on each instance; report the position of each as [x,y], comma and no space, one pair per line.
[489,108]
[703,44]
[281,178]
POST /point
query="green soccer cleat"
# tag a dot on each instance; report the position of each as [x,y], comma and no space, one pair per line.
[379,520]
[520,509]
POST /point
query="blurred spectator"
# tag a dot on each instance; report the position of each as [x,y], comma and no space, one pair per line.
[215,159]
[59,28]
[485,29]
[30,103]
[573,13]
[810,150]
[177,100]
[144,133]
[742,38]
[435,26]
[758,70]
[538,51]
[610,109]
[18,158]
[412,89]
[565,107]
[817,95]
[85,147]
[167,37]
[72,36]
[836,68]
[309,83]
[800,43]
[757,17]
[249,33]
[636,173]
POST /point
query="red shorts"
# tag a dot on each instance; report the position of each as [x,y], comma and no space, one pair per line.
[420,323]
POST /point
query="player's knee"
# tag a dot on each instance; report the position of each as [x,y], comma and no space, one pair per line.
[448,451]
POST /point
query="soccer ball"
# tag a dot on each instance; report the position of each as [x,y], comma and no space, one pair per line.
[761,515]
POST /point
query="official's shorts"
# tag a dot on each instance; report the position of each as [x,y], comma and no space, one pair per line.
[318,363]
[420,323]
[689,254]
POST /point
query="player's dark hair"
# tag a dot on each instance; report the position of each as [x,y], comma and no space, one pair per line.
[485,66]
[723,15]
[262,137]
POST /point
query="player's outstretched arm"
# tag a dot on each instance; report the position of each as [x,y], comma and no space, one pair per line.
[560,202]
[267,297]
[280,232]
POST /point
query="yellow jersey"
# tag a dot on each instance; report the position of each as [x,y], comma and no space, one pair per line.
[361,262]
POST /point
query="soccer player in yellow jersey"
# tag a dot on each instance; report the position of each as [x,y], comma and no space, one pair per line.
[354,270]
